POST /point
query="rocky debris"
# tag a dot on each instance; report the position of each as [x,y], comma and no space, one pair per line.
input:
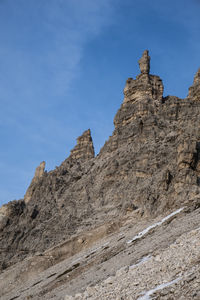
[163,276]
[149,165]
[56,272]
[194,90]
[84,148]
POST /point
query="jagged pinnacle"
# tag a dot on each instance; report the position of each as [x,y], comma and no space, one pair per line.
[84,148]
[144,62]
[194,90]
[145,84]
[39,172]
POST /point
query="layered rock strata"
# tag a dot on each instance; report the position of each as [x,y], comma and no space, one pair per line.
[145,85]
[150,163]
[165,275]
[84,148]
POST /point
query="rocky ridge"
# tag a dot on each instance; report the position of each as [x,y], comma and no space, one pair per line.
[150,165]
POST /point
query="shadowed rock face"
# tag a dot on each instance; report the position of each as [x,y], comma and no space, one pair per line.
[151,163]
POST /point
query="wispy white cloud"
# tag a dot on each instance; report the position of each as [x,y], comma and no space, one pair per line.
[36,70]
[65,27]
[42,46]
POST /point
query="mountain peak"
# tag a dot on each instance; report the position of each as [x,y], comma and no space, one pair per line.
[194,90]
[149,166]
[144,62]
[145,85]
[84,148]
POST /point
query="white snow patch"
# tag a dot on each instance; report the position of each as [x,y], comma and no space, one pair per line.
[145,258]
[147,295]
[142,233]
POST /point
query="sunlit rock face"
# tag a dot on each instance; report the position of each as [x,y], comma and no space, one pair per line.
[145,85]
[39,172]
[150,164]
[194,90]
[84,148]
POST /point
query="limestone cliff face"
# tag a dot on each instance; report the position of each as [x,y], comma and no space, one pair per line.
[150,163]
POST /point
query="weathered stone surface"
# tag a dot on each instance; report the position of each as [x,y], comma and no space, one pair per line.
[172,273]
[168,250]
[84,148]
[9,211]
[144,62]
[39,172]
[145,85]
[194,90]
[150,164]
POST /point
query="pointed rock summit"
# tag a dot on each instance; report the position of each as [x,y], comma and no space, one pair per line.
[84,148]
[144,62]
[149,165]
[142,96]
[194,90]
[145,85]
[39,172]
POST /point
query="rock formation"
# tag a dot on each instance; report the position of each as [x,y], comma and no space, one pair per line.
[84,148]
[145,85]
[39,172]
[144,62]
[150,163]
[194,90]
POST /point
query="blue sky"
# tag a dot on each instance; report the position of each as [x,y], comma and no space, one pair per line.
[63,66]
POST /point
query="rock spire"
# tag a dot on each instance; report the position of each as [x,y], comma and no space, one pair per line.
[145,85]
[39,172]
[194,90]
[144,62]
[84,148]
[149,165]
